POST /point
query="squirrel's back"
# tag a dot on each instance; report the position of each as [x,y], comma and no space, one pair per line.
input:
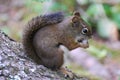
[33,26]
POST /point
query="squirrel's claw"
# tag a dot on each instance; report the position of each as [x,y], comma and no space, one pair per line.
[67,73]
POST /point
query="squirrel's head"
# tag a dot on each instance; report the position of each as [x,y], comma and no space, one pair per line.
[81,31]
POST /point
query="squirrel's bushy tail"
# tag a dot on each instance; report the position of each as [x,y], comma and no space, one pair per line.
[33,26]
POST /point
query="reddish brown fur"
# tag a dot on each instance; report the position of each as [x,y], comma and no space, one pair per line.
[43,35]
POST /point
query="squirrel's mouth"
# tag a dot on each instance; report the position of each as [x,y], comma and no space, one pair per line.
[83,43]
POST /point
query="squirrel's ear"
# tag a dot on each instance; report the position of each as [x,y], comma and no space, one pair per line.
[76,16]
[76,13]
[75,19]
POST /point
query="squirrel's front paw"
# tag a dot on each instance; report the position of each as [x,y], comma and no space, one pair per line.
[67,73]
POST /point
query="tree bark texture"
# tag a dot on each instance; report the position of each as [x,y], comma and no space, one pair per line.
[15,65]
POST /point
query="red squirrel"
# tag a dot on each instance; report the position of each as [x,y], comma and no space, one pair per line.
[44,34]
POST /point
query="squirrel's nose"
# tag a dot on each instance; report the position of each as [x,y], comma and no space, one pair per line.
[80,40]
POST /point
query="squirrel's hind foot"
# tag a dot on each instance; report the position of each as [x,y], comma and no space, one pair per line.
[67,73]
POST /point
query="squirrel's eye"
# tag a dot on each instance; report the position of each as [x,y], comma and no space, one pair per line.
[84,31]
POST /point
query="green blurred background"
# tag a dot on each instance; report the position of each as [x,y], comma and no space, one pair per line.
[102,15]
